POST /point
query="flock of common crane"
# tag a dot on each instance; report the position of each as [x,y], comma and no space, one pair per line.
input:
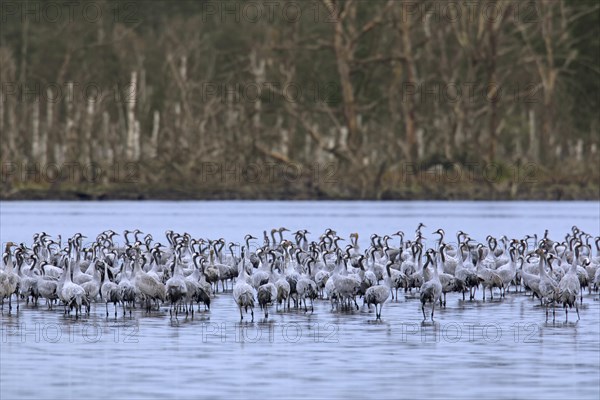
[293,273]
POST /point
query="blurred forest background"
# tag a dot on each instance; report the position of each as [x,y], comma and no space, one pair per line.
[300,99]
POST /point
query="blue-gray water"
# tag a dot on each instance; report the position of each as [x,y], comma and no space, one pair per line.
[499,349]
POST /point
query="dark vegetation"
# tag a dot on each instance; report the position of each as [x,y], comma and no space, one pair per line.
[300,100]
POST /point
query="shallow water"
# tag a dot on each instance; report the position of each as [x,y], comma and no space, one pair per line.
[497,349]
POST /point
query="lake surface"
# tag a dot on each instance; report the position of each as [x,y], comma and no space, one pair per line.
[500,349]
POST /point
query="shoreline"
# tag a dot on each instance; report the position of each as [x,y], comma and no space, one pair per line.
[546,192]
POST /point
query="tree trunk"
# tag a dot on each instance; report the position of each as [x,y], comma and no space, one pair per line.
[533,144]
[343,57]
[35,131]
[130,99]
[492,95]
[153,148]
[69,150]
[409,101]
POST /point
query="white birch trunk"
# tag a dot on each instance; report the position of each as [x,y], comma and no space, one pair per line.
[131,101]
[86,146]
[108,154]
[69,145]
[153,148]
[533,145]
[35,131]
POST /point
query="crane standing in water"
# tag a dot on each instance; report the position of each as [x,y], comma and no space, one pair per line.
[243,293]
[431,291]
[282,271]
